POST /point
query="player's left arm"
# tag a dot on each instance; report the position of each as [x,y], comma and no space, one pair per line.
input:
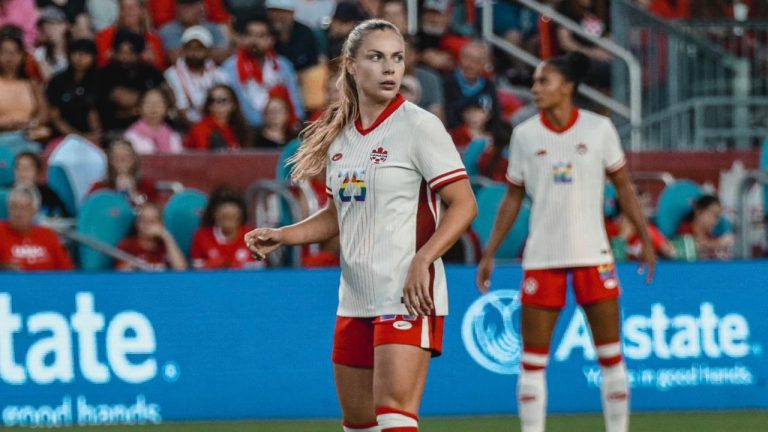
[461,209]
[631,207]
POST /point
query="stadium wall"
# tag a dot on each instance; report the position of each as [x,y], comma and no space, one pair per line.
[106,348]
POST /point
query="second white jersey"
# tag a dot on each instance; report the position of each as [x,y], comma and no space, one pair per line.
[564,174]
[384,183]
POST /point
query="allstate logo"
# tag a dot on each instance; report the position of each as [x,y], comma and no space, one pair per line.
[490,332]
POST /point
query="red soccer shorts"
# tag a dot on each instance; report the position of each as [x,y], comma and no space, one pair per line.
[355,338]
[547,287]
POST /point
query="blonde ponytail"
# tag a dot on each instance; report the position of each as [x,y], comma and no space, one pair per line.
[317,138]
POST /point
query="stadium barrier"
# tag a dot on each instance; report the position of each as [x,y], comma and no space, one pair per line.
[104,348]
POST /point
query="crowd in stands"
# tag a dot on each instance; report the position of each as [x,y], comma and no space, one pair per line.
[138,77]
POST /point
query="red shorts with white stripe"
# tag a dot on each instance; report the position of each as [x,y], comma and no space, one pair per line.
[355,338]
[547,287]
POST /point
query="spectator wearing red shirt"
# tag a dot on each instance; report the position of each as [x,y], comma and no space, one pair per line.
[439,44]
[133,16]
[622,232]
[164,11]
[124,174]
[223,126]
[701,224]
[24,245]
[220,242]
[151,242]
[474,126]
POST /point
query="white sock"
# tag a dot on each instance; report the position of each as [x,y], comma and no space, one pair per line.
[615,395]
[532,400]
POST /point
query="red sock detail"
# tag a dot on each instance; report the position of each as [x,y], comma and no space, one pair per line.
[388,410]
[359,426]
[401,429]
[530,367]
[610,361]
[534,350]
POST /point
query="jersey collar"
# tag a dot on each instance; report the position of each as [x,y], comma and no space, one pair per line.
[553,128]
[391,108]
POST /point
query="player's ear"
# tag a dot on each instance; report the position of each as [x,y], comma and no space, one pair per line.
[351,66]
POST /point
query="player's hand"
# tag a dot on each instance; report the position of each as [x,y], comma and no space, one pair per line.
[484,271]
[416,290]
[648,262]
[262,241]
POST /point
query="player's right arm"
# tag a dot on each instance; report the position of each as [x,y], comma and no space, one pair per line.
[508,211]
[319,227]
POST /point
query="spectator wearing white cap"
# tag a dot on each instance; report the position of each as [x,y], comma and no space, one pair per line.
[193,74]
[51,53]
[294,40]
[190,13]
[438,42]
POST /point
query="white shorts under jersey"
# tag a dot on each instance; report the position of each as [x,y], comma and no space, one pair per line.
[564,172]
[384,183]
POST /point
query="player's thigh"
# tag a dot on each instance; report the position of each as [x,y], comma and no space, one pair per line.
[604,320]
[353,368]
[597,290]
[538,324]
[355,389]
[399,377]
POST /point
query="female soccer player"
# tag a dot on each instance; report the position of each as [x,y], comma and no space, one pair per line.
[560,158]
[400,199]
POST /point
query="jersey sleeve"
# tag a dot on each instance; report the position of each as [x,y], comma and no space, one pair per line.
[613,155]
[434,154]
[515,167]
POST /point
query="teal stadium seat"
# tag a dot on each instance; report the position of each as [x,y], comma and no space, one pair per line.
[6,167]
[107,217]
[675,203]
[182,216]
[610,200]
[283,169]
[488,200]
[59,182]
[472,155]
[4,203]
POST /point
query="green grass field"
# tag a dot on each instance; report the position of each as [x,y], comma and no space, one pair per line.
[745,421]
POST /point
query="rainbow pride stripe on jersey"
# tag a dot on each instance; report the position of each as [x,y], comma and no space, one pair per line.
[353,186]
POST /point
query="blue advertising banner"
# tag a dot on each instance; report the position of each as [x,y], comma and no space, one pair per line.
[116,348]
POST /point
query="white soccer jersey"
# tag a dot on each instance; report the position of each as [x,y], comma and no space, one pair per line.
[384,183]
[564,174]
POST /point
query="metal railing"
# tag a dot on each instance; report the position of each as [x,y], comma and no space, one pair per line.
[631,110]
[696,93]
[743,219]
[269,214]
[744,40]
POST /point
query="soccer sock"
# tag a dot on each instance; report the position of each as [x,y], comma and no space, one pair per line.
[394,420]
[532,389]
[615,388]
[368,427]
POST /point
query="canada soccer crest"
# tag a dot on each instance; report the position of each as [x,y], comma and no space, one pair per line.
[379,155]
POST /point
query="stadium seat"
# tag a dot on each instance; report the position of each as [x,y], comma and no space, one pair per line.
[675,203]
[83,162]
[610,200]
[4,203]
[58,180]
[283,170]
[182,216]
[107,217]
[6,167]
[488,200]
[472,155]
